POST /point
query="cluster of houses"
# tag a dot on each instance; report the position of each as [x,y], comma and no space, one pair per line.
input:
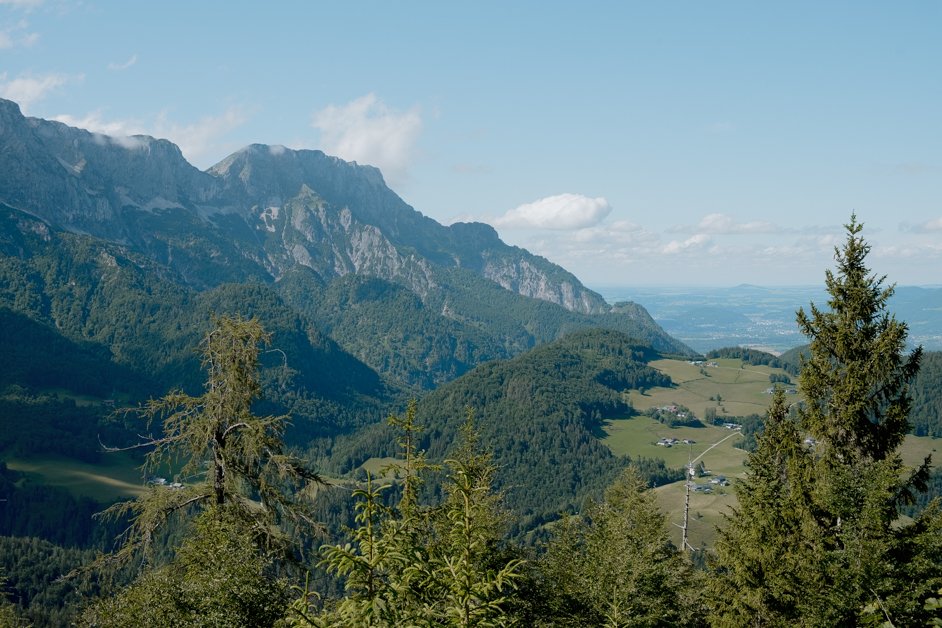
[670,442]
[709,364]
[788,391]
[163,482]
[677,411]
[719,480]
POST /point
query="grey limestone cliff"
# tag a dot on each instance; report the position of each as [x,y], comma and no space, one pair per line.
[257,213]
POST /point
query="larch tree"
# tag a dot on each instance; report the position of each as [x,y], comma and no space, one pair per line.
[234,462]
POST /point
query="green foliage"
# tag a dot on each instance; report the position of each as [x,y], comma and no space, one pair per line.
[230,457]
[9,617]
[816,539]
[388,327]
[779,378]
[423,566]
[98,319]
[754,357]
[472,592]
[614,565]
[541,415]
[923,499]
[676,416]
[762,553]
[855,380]
[934,605]
[219,578]
[31,509]
[34,583]
[926,412]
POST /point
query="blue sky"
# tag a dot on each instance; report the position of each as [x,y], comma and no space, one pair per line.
[682,143]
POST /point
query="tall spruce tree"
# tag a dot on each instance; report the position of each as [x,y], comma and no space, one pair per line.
[818,539]
[764,550]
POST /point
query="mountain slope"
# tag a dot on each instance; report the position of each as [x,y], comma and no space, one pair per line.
[261,210]
[539,414]
[264,213]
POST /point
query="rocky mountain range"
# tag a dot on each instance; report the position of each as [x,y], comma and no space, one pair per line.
[300,221]
[261,211]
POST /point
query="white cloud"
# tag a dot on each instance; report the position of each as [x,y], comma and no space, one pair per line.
[201,138]
[17,34]
[96,124]
[367,131]
[724,224]
[609,246]
[27,90]
[930,225]
[697,241]
[22,4]
[563,211]
[117,67]
[196,140]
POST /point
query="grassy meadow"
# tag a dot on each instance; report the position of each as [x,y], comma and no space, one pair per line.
[117,476]
[742,389]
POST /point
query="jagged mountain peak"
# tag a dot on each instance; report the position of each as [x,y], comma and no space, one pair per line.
[257,213]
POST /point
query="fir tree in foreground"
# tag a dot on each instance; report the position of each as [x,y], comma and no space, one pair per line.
[817,539]
[414,565]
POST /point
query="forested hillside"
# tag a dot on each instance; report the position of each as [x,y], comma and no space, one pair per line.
[926,413]
[251,326]
[540,415]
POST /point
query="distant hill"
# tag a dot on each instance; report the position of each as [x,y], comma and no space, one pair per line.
[708,318]
[541,416]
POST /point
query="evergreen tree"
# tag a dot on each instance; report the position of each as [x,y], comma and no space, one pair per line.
[615,565]
[9,618]
[763,551]
[218,579]
[233,460]
[830,548]
[470,589]
[423,566]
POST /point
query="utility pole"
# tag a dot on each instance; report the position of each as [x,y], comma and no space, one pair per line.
[684,543]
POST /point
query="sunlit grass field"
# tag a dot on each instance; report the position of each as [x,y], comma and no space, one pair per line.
[742,389]
[118,476]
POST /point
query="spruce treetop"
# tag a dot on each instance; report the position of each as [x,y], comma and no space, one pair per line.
[857,375]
